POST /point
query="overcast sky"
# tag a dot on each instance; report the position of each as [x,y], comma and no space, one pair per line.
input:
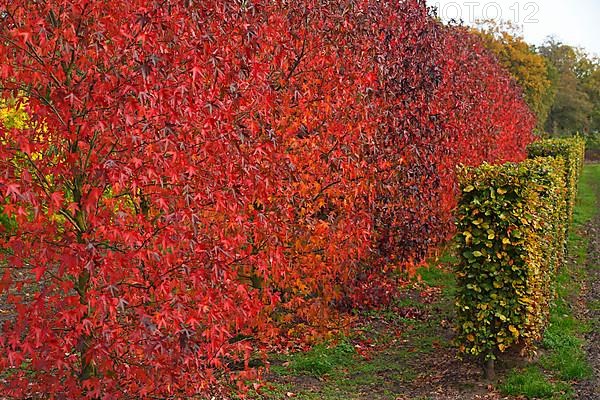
[575,22]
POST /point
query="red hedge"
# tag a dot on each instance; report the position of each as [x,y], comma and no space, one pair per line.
[197,174]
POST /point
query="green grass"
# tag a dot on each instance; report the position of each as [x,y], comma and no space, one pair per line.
[587,202]
[532,383]
[334,370]
[435,276]
[565,356]
[564,359]
[323,358]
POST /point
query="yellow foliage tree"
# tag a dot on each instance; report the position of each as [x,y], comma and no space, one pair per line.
[12,115]
[532,71]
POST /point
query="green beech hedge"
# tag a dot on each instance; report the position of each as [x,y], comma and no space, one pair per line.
[511,232]
[572,150]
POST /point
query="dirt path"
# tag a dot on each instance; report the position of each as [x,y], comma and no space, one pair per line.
[590,389]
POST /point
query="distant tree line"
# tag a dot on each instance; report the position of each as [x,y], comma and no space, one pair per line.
[561,83]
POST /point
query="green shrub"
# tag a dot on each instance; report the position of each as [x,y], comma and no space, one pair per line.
[511,234]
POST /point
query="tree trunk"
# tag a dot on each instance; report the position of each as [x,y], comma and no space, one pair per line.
[489,370]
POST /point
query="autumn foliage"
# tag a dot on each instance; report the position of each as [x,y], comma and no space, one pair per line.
[195,177]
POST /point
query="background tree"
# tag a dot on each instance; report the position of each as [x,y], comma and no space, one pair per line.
[576,104]
[591,85]
[11,116]
[533,72]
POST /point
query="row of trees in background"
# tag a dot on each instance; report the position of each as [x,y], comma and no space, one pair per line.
[576,105]
[561,83]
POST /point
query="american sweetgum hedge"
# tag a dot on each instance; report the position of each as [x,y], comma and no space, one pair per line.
[195,178]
